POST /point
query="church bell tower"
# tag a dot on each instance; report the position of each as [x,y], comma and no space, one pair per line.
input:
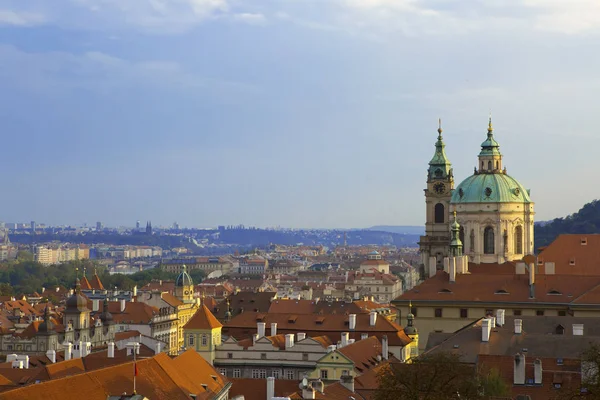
[440,185]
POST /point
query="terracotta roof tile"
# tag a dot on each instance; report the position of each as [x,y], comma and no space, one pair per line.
[203,319]
[256,389]
[170,299]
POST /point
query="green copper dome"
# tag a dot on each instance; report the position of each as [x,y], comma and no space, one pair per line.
[490,188]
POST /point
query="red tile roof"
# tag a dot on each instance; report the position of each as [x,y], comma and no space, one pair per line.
[203,319]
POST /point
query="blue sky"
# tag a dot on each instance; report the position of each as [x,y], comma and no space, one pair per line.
[299,113]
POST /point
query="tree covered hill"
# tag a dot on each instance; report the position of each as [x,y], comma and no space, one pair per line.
[586,220]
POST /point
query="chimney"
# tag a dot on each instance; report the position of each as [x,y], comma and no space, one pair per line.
[493,321]
[255,337]
[51,354]
[260,329]
[68,351]
[384,347]
[519,369]
[465,264]
[537,372]
[446,265]
[289,341]
[352,322]
[372,318]
[111,350]
[532,280]
[486,328]
[158,348]
[345,337]
[500,317]
[577,329]
[17,364]
[364,336]
[273,328]
[301,336]
[198,301]
[270,388]
[95,305]
[123,305]
[452,269]
[308,392]
[25,360]
[135,291]
[518,326]
[331,348]
[347,381]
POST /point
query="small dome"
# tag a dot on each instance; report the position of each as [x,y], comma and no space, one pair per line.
[47,325]
[490,188]
[184,279]
[77,302]
[106,317]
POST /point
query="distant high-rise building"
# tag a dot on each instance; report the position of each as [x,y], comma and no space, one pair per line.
[99,226]
[137,225]
[175,226]
[32,226]
[149,228]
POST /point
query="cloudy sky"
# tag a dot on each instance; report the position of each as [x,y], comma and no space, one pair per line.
[298,113]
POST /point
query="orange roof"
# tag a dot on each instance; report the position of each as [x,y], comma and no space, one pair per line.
[573,255]
[203,319]
[96,283]
[363,353]
[170,299]
[256,389]
[85,284]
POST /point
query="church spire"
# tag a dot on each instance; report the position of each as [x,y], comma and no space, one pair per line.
[455,243]
[440,167]
[490,159]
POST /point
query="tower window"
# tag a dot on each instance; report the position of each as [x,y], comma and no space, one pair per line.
[489,165]
[519,240]
[488,240]
[439,213]
[472,241]
[497,165]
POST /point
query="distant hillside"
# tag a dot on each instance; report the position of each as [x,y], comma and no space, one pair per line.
[410,230]
[586,220]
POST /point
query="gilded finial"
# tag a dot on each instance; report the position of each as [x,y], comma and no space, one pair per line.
[440,126]
[490,128]
[454,213]
[410,305]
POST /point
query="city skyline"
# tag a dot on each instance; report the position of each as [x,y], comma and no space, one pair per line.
[295,114]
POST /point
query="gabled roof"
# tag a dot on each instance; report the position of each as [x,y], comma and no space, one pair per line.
[85,284]
[203,319]
[363,353]
[96,283]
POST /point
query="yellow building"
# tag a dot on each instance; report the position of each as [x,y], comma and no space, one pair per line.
[203,333]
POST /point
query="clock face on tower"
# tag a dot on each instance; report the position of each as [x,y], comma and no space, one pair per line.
[439,188]
[186,292]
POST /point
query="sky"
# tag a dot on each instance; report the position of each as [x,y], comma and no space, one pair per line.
[294,113]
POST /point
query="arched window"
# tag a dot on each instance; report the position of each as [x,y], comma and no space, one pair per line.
[482,165]
[472,241]
[489,165]
[461,235]
[519,240]
[497,165]
[439,213]
[488,240]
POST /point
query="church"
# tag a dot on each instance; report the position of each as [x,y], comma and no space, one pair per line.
[490,212]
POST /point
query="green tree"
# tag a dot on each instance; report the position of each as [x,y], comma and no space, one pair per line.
[438,376]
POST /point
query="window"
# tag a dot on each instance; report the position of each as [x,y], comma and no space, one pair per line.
[276,373]
[229,355]
[560,330]
[488,240]
[290,374]
[539,313]
[517,312]
[438,313]
[324,374]
[262,374]
[304,356]
[255,373]
[489,165]
[497,165]
[472,241]
[519,240]
[237,373]
[439,213]
[559,361]
[204,340]
[572,261]
[562,313]
[263,356]
[191,340]
[345,372]
[464,313]
[223,371]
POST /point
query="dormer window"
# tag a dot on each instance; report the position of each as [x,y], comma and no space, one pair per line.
[555,293]
[572,261]
[501,291]
[583,241]
[445,291]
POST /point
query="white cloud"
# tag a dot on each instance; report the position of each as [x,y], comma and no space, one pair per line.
[10,17]
[251,18]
